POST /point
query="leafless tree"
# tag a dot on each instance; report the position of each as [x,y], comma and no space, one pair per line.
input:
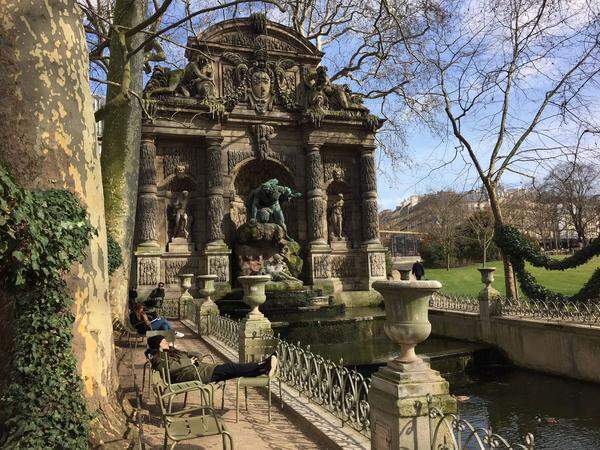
[575,187]
[509,73]
[445,212]
[481,225]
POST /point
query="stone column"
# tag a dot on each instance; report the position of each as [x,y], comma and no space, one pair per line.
[215,251]
[489,300]
[368,188]
[314,195]
[147,252]
[214,203]
[373,258]
[318,258]
[147,210]
[401,392]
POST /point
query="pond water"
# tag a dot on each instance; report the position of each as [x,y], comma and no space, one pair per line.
[562,414]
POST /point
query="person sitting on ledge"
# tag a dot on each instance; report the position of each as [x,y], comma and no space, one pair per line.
[143,322]
[183,365]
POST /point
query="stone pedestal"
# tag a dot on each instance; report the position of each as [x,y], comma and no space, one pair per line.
[373,266]
[489,299]
[255,338]
[180,245]
[206,306]
[216,260]
[402,392]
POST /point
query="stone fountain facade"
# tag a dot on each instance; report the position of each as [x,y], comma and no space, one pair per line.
[252,105]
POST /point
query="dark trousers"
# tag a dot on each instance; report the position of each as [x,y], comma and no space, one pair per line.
[228,371]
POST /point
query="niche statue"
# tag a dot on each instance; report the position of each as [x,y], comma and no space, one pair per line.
[263,204]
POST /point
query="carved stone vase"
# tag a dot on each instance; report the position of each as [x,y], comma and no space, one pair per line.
[254,293]
[488,294]
[206,288]
[186,284]
[406,322]
[405,274]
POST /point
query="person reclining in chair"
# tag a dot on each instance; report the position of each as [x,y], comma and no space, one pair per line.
[143,322]
[183,365]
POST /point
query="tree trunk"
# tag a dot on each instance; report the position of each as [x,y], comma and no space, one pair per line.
[509,283]
[47,140]
[447,261]
[121,149]
[484,255]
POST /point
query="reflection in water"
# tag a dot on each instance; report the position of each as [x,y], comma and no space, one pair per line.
[562,414]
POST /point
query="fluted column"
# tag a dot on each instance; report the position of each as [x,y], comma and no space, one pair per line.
[147,210]
[314,195]
[214,200]
[368,187]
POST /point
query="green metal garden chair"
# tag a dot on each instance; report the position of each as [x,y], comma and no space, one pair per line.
[261,381]
[188,423]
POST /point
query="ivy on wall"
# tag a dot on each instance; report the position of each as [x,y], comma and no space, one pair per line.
[520,249]
[42,233]
[115,257]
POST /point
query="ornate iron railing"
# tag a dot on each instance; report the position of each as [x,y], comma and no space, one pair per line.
[169,309]
[344,392]
[451,432]
[454,303]
[585,312]
[341,391]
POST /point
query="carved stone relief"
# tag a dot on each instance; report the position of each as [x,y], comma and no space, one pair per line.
[247,39]
[314,170]
[234,157]
[262,140]
[343,266]
[219,266]
[258,81]
[321,266]
[377,264]
[316,215]
[178,160]
[214,218]
[172,270]
[338,169]
[147,272]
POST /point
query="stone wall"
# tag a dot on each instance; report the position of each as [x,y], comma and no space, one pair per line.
[568,350]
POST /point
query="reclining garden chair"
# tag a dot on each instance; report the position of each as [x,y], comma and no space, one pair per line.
[186,387]
[188,423]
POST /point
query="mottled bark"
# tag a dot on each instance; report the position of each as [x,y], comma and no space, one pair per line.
[121,147]
[47,140]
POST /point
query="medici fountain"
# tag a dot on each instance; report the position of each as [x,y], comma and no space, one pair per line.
[255,165]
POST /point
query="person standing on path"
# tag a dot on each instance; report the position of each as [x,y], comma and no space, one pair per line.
[418,270]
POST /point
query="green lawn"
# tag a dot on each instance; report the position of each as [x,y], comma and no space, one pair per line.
[467,280]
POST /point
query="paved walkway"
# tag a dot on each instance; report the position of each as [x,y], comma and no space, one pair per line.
[252,432]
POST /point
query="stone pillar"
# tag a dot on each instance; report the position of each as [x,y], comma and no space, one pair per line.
[315,196]
[215,251]
[206,306]
[368,188]
[214,201]
[147,210]
[318,250]
[255,340]
[373,259]
[401,392]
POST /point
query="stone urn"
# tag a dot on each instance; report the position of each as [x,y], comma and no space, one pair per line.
[405,274]
[407,322]
[254,292]
[488,293]
[206,288]
[186,284]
